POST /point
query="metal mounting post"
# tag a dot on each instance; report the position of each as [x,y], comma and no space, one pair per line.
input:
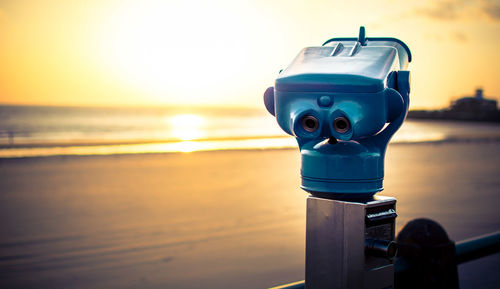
[349,243]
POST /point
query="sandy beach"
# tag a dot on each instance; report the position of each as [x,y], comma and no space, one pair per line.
[222,219]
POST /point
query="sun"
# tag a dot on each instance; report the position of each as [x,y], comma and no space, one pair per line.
[187,127]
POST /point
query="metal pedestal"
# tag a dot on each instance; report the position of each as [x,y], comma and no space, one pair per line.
[348,243]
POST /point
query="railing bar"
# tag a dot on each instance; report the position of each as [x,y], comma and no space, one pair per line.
[294,285]
[474,248]
[466,250]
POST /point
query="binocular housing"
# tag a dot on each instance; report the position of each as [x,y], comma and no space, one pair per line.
[343,101]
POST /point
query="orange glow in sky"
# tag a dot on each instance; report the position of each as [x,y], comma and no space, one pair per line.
[226,53]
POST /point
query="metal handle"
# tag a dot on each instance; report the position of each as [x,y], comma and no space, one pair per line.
[381,248]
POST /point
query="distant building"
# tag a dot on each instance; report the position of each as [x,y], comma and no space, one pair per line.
[469,108]
[476,103]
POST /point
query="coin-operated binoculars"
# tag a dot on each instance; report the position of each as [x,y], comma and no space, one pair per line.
[343,101]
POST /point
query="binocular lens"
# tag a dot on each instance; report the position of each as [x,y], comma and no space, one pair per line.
[310,123]
[341,124]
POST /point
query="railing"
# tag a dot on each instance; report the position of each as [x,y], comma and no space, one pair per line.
[478,247]
[465,251]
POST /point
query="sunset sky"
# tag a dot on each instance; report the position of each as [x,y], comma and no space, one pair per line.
[226,53]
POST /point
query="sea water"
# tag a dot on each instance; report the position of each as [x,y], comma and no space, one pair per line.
[27,131]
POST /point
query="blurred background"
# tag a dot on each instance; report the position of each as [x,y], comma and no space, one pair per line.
[225,53]
[135,150]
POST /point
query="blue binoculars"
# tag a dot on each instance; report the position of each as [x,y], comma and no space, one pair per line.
[343,101]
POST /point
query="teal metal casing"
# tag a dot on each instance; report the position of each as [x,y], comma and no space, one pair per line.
[362,82]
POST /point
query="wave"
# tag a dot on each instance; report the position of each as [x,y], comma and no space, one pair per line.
[218,144]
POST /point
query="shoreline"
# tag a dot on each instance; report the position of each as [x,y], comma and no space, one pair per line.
[145,154]
[80,143]
[176,147]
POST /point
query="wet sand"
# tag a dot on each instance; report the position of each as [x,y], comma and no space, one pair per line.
[223,219]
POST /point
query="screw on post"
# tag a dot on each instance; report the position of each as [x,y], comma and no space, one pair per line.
[343,101]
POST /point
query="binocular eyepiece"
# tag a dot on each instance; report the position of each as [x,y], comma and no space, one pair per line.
[311,124]
[341,124]
[353,92]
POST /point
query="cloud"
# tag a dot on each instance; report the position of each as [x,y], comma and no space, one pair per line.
[449,10]
[442,10]
[491,9]
[440,36]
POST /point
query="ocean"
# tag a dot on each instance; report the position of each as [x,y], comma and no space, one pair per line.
[31,131]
